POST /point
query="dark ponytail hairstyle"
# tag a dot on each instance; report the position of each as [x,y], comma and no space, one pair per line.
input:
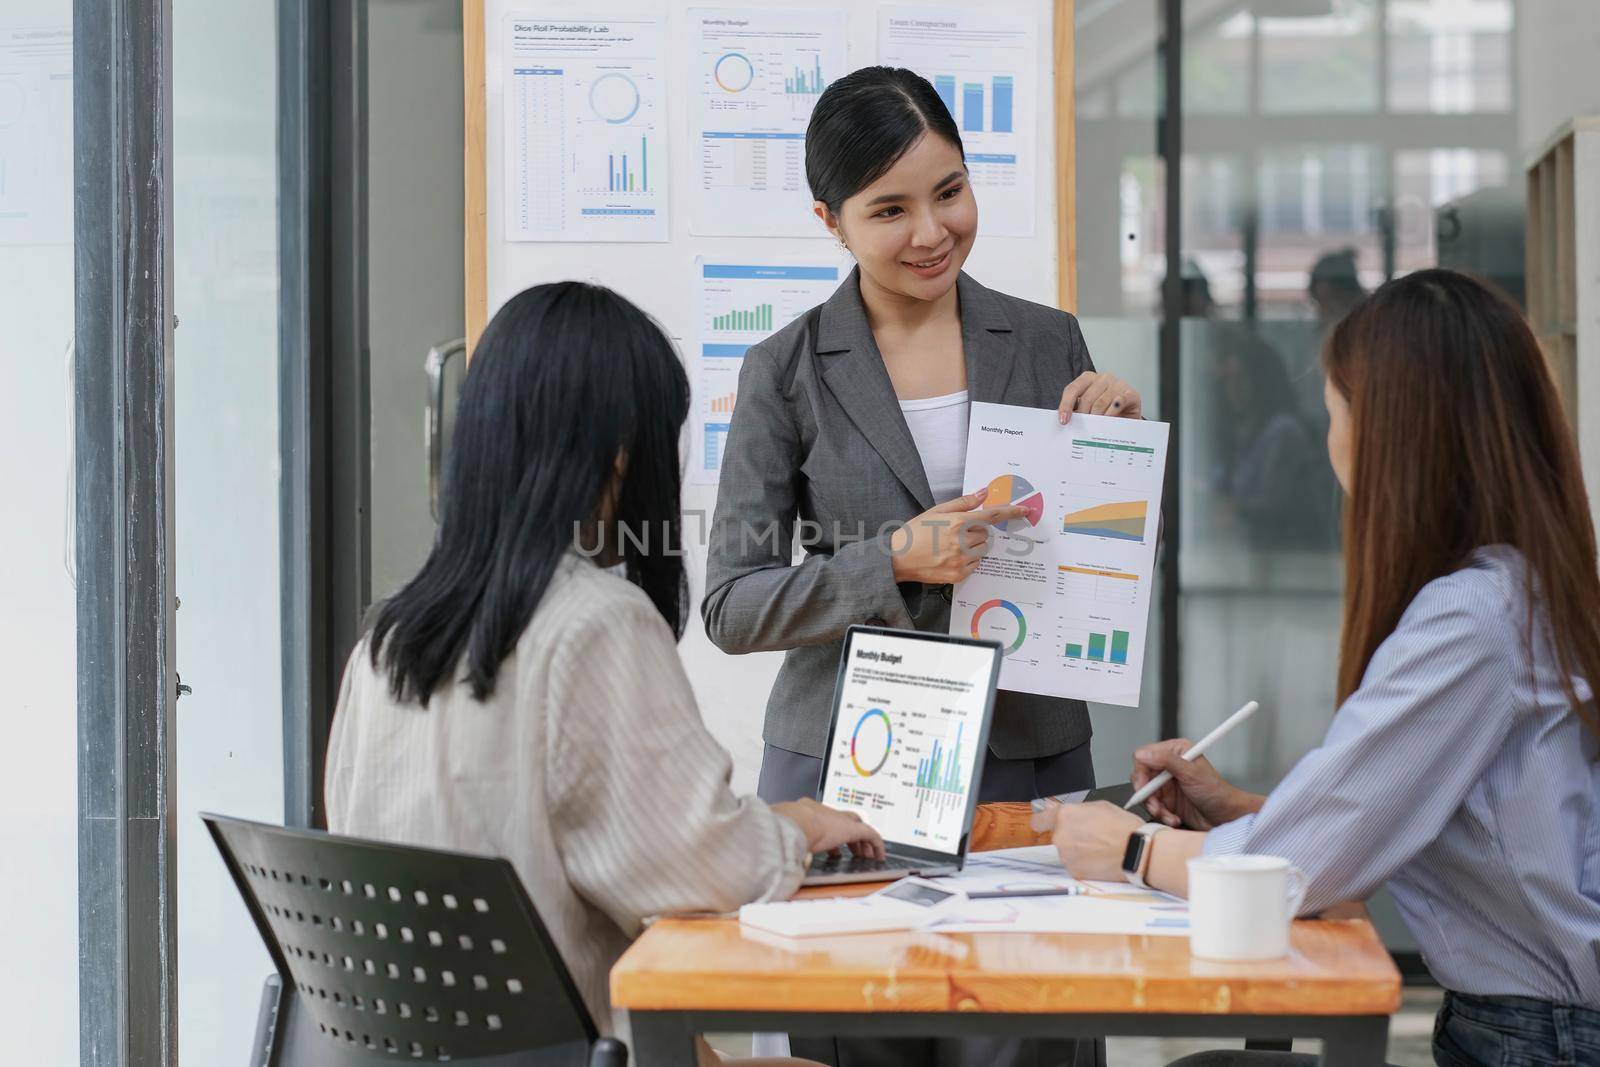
[863,123]
[567,377]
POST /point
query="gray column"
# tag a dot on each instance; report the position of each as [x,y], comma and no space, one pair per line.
[122,108]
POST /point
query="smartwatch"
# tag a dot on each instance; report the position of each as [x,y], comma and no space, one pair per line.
[1136,859]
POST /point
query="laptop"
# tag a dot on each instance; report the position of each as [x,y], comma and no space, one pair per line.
[910,728]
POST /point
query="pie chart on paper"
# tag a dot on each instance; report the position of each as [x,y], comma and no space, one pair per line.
[1018,491]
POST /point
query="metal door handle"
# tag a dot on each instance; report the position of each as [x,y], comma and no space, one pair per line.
[433,414]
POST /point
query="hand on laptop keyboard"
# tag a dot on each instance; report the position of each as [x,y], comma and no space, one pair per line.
[828,828]
[846,861]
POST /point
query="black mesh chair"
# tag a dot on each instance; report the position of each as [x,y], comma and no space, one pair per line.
[386,952]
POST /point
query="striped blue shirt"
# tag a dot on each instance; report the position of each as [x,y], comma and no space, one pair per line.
[1458,775]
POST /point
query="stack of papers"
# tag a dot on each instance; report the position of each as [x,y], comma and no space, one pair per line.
[1094,907]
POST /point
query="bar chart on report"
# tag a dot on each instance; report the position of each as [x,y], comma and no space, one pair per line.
[1096,642]
[982,104]
[803,82]
[756,318]
[983,63]
[583,109]
[756,76]
[626,172]
[740,304]
[744,302]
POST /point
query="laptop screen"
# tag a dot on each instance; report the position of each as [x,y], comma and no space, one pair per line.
[910,725]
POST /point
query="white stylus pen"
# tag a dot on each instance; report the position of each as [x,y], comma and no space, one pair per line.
[1196,750]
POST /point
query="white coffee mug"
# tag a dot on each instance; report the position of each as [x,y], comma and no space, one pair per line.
[1240,907]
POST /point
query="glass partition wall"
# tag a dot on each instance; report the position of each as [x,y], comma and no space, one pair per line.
[229,731]
[38,792]
[1320,147]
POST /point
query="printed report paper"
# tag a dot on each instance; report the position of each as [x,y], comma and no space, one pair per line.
[741,302]
[585,136]
[984,63]
[1100,907]
[1066,588]
[755,74]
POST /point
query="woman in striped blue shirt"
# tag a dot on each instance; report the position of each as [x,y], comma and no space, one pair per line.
[1460,768]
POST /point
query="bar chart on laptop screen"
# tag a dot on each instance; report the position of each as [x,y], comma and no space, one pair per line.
[905,766]
[943,772]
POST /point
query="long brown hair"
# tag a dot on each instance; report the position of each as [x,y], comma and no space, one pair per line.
[1458,441]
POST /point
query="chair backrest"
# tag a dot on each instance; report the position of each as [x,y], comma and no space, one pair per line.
[412,952]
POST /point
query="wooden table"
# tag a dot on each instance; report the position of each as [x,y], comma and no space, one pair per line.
[687,977]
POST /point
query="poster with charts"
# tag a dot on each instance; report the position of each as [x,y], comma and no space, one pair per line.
[586,131]
[755,75]
[1066,587]
[984,62]
[742,302]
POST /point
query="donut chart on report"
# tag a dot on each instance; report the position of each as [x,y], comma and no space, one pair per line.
[1015,490]
[871,742]
[995,619]
[734,72]
[614,98]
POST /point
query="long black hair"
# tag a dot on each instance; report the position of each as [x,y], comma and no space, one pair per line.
[863,123]
[567,378]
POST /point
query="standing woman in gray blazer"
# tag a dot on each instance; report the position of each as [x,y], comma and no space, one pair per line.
[849,438]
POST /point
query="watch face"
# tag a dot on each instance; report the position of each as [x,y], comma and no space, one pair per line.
[1135,850]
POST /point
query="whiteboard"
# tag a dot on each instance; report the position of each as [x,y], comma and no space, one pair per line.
[660,278]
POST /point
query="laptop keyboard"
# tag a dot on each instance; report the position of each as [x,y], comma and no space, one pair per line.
[845,862]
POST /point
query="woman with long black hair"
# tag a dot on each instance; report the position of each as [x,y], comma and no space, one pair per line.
[517,698]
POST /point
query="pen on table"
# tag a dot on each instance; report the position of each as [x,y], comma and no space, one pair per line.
[1054,891]
[1195,751]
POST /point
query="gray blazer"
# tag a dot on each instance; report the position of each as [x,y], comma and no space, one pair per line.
[819,457]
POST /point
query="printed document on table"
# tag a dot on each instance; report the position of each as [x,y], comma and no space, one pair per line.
[984,63]
[1065,589]
[585,128]
[1096,907]
[1031,868]
[742,302]
[755,74]
[1094,913]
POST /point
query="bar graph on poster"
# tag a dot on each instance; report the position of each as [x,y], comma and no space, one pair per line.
[741,302]
[1065,588]
[584,136]
[982,63]
[757,74]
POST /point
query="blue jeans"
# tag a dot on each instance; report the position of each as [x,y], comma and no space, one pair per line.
[1514,1032]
